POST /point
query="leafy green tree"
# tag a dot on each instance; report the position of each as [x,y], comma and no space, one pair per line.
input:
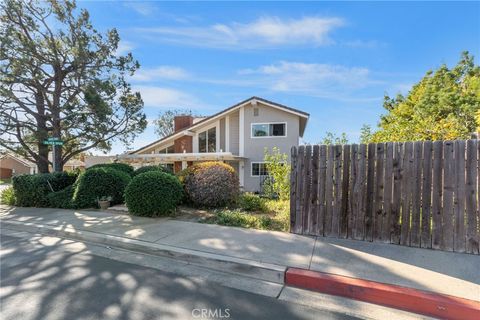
[59,77]
[366,133]
[164,123]
[442,106]
[279,171]
[331,138]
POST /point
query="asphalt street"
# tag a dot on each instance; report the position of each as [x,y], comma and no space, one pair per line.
[48,282]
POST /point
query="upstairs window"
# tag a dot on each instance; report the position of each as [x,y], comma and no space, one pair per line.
[207,140]
[269,130]
[170,149]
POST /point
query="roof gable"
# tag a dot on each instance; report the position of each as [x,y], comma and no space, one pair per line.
[297,112]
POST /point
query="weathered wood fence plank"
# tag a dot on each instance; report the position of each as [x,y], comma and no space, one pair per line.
[437,195]
[314,205]
[420,194]
[397,192]
[471,192]
[345,191]
[307,183]
[448,190]
[337,199]
[321,190]
[387,193]
[426,238]
[329,191]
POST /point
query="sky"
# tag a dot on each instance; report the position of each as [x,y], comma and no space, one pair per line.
[334,60]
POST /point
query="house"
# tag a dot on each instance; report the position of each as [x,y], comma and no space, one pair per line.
[237,135]
[13,165]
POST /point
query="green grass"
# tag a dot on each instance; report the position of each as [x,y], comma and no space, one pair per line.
[274,216]
[6,180]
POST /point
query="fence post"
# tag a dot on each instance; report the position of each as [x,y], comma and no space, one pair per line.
[293,184]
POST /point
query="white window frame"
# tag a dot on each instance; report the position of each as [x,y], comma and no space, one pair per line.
[269,123]
[165,147]
[251,169]
[215,125]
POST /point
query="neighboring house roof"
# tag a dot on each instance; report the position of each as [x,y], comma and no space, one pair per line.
[218,114]
[23,161]
[75,163]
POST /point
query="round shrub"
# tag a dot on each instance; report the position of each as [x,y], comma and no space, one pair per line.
[251,202]
[128,169]
[99,182]
[153,193]
[211,184]
[144,169]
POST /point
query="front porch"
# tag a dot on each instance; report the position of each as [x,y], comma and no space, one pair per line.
[180,161]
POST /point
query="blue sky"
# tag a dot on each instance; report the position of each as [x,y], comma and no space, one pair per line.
[333,60]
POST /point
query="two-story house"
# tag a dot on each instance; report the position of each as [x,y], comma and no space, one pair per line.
[237,135]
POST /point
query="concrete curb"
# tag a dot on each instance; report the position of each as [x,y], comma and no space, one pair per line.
[257,270]
[413,300]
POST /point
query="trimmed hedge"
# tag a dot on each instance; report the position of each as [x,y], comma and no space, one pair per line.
[62,198]
[98,182]
[128,169]
[211,184]
[153,193]
[144,169]
[31,190]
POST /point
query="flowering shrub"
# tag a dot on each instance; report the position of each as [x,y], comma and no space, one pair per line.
[210,184]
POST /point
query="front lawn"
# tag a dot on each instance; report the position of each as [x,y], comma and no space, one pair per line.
[274,215]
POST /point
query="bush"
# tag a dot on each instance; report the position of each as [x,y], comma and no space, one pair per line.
[62,198]
[32,190]
[128,169]
[7,196]
[211,184]
[278,183]
[250,202]
[98,182]
[237,218]
[153,193]
[159,168]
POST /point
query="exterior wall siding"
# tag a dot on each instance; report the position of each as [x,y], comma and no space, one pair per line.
[234,132]
[222,134]
[255,147]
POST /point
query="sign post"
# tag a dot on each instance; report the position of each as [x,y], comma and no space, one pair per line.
[53,141]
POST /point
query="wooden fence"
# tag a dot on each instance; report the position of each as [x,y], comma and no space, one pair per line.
[419,194]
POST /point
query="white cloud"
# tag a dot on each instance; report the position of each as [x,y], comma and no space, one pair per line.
[161,72]
[262,33]
[144,8]
[160,97]
[124,47]
[312,78]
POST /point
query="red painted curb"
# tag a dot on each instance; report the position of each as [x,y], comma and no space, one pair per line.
[417,301]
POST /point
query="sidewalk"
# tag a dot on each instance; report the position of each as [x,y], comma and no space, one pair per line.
[441,272]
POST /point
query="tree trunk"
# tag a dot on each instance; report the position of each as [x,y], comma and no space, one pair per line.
[42,163]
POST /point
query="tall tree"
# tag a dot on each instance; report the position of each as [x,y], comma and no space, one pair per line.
[442,106]
[59,77]
[164,123]
[331,138]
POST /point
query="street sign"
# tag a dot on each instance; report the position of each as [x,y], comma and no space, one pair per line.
[53,142]
[53,139]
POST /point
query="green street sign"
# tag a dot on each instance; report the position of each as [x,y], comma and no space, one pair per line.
[53,139]
[53,143]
